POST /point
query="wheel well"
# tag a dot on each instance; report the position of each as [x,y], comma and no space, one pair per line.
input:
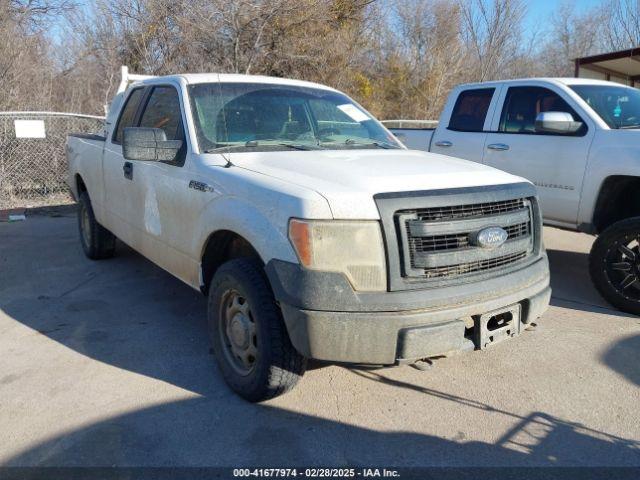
[80,186]
[222,246]
[619,198]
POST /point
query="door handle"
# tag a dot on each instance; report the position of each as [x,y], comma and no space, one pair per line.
[444,143]
[127,169]
[498,146]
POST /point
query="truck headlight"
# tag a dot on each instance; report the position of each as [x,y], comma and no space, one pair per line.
[353,248]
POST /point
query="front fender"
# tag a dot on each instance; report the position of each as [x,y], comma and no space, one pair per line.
[266,231]
[613,153]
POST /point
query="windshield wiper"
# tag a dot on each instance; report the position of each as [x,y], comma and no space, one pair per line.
[256,143]
[625,127]
[375,143]
[226,148]
[297,146]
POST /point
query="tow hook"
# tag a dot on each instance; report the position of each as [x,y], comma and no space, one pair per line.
[423,364]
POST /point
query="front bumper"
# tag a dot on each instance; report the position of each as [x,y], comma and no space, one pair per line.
[327,320]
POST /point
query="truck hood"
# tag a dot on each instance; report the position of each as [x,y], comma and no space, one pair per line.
[349,179]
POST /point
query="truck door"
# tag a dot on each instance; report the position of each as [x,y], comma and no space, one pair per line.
[119,182]
[555,163]
[167,207]
[469,116]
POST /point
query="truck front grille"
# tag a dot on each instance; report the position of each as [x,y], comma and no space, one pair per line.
[440,242]
[432,236]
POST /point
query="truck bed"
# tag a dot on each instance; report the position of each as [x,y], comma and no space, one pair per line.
[84,154]
[415,139]
[414,134]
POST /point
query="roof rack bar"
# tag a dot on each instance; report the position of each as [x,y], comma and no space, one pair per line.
[127,78]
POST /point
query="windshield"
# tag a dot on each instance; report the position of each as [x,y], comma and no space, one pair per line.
[253,117]
[619,107]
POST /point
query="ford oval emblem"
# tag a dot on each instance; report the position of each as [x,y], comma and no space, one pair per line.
[491,237]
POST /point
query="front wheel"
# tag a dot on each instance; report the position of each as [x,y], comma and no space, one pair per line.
[614,265]
[250,341]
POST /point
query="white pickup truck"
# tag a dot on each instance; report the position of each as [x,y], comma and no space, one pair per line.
[578,140]
[313,232]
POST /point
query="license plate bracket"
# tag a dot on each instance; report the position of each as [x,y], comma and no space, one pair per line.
[497,325]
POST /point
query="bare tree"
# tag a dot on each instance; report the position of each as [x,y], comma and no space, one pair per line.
[492,32]
[572,35]
[419,56]
[399,58]
[24,51]
[622,20]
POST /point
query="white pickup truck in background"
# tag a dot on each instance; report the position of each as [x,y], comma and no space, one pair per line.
[577,140]
[313,232]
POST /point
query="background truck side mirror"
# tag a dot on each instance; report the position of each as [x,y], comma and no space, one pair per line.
[556,122]
[149,144]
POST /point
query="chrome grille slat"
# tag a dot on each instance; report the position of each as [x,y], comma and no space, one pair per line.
[478,266]
[428,260]
[463,211]
[434,243]
[418,228]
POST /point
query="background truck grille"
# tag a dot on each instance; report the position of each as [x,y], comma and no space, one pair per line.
[439,242]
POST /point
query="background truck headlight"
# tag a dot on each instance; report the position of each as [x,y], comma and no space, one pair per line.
[353,248]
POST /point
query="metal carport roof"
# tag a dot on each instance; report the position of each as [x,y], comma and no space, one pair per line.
[622,66]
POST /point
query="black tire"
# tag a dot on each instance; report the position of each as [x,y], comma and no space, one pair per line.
[277,366]
[614,265]
[97,242]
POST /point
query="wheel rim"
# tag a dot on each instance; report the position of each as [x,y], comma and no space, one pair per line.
[85,224]
[238,332]
[623,267]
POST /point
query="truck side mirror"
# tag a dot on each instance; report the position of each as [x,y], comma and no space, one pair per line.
[556,122]
[149,144]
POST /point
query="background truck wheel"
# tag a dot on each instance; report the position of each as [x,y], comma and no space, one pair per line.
[248,334]
[97,242]
[614,265]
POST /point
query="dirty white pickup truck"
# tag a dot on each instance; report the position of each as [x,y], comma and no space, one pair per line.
[578,140]
[312,231]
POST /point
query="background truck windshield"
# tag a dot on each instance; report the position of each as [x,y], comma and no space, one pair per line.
[619,107]
[264,117]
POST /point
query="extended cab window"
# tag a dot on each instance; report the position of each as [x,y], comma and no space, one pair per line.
[128,115]
[523,104]
[471,110]
[163,111]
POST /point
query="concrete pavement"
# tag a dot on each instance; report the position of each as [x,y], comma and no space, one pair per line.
[107,364]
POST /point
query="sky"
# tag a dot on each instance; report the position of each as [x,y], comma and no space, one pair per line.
[538,11]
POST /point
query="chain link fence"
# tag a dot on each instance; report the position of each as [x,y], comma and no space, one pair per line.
[33,164]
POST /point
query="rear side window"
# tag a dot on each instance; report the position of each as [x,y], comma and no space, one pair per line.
[471,110]
[523,104]
[128,115]
[163,111]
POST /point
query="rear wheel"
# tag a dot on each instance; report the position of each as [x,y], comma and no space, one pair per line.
[97,242]
[614,265]
[250,341]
